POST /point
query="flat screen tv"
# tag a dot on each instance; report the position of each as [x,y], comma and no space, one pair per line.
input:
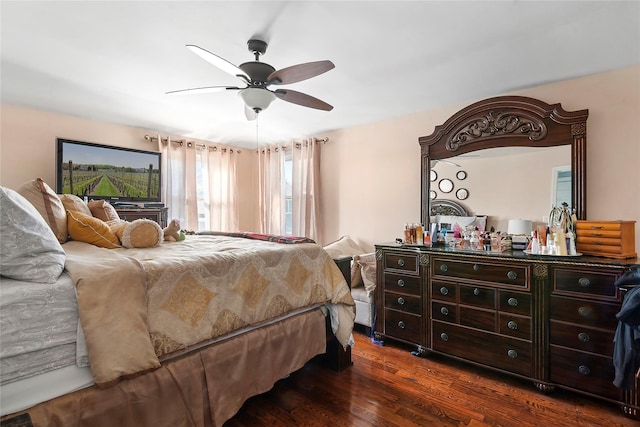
[99,171]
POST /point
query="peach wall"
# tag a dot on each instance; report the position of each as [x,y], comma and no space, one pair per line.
[28,149]
[371,174]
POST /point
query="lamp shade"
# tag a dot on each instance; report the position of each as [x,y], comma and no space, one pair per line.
[519,227]
[256,98]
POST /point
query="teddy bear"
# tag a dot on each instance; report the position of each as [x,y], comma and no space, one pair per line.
[172,232]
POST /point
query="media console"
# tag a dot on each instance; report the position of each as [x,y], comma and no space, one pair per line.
[131,213]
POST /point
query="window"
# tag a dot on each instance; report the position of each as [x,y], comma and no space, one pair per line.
[287,184]
[561,186]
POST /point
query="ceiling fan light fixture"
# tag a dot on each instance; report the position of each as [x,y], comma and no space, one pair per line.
[256,98]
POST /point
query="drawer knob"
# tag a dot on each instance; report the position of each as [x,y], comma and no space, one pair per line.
[512,354]
[584,282]
[584,311]
[584,370]
[476,291]
[444,290]
[444,337]
[401,262]
[444,267]
[513,302]
[444,311]
[512,275]
[476,267]
[400,300]
[512,325]
[401,325]
[401,283]
[584,337]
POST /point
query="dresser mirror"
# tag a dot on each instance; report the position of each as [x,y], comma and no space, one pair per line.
[508,124]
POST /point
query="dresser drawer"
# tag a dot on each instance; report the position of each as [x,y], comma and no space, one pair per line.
[443,291]
[514,275]
[514,302]
[477,318]
[581,312]
[583,371]
[403,326]
[406,262]
[402,283]
[477,296]
[597,228]
[579,337]
[510,354]
[600,283]
[514,326]
[406,303]
[444,312]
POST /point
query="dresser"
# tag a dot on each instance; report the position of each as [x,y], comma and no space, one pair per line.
[158,215]
[547,319]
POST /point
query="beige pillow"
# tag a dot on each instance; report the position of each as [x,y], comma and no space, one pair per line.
[71,202]
[103,210]
[142,233]
[85,228]
[367,263]
[48,204]
[346,246]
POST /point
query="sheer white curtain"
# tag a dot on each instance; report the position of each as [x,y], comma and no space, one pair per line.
[219,179]
[304,158]
[271,189]
[306,173]
[199,185]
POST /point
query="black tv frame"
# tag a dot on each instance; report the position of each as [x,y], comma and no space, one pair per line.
[131,161]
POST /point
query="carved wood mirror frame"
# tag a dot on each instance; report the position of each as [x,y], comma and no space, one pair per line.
[509,121]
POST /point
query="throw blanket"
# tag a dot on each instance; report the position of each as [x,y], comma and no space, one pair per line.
[137,305]
[259,236]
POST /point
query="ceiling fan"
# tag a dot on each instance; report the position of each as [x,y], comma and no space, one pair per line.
[258,76]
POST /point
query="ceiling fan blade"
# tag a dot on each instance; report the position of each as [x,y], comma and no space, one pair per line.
[297,73]
[200,90]
[250,114]
[221,63]
[302,99]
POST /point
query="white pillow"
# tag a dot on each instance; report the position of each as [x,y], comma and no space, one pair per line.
[447,222]
[28,248]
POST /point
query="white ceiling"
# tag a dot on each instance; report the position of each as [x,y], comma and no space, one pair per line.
[113,61]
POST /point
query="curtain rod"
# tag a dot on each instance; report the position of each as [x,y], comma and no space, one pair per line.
[190,144]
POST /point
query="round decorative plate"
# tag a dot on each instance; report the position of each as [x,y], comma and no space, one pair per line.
[445,185]
[462,193]
[461,175]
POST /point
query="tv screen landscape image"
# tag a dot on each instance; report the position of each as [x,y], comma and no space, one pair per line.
[106,172]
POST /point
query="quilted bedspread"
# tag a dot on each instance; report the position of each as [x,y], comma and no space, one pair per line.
[136,305]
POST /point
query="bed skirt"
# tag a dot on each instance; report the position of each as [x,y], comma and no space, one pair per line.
[203,388]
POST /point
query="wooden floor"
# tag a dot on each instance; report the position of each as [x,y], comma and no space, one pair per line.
[387,386]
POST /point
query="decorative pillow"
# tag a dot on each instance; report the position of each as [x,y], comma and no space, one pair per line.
[142,233]
[85,228]
[448,221]
[71,202]
[103,210]
[29,250]
[346,246]
[47,202]
[367,263]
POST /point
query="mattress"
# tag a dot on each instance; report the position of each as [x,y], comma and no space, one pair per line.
[38,327]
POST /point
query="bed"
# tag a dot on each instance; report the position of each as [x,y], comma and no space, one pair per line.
[179,334]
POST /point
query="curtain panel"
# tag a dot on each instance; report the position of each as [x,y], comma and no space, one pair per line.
[199,185]
[304,176]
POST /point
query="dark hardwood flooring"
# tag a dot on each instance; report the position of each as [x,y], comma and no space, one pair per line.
[387,386]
